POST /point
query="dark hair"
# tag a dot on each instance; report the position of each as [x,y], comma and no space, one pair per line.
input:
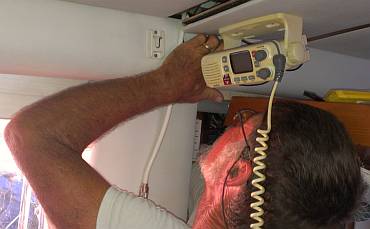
[313,175]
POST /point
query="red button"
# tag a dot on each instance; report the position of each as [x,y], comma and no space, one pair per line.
[254,53]
[227,80]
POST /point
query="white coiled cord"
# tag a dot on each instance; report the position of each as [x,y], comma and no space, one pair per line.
[260,166]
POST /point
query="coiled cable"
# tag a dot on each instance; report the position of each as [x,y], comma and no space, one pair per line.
[279,61]
[260,166]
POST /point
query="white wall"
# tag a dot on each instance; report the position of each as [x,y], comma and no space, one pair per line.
[61,39]
[17,91]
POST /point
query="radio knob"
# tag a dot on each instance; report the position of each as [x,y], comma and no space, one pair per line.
[260,55]
[264,73]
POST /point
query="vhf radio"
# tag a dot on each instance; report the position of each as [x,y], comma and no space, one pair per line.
[253,64]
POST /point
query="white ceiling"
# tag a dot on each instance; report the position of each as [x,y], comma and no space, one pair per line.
[356,44]
[320,17]
[160,8]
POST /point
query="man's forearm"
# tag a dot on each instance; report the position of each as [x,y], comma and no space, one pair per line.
[96,107]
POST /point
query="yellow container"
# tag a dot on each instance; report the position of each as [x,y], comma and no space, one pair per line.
[348,96]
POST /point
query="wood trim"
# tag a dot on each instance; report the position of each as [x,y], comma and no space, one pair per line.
[355,117]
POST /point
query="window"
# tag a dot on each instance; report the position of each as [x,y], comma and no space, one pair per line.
[19,208]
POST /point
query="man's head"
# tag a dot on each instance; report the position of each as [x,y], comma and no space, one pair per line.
[312,176]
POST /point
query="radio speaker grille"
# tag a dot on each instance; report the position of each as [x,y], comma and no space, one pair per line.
[212,74]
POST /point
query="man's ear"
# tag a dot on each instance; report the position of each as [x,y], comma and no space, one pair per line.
[240,174]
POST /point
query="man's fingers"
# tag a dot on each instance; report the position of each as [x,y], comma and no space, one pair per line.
[198,40]
[210,45]
[213,42]
[220,46]
[212,94]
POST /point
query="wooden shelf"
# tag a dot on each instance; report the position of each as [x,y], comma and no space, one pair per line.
[355,117]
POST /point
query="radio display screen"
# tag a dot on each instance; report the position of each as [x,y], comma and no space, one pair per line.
[241,62]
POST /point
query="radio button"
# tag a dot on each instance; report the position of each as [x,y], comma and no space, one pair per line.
[237,79]
[252,78]
[227,80]
[260,55]
[264,73]
[244,78]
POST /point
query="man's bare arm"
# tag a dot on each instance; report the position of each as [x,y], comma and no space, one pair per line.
[48,138]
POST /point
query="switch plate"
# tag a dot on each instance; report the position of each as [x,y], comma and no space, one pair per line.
[155,44]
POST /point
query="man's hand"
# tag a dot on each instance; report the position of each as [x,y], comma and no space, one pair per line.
[182,70]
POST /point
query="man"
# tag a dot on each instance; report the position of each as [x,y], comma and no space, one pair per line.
[47,140]
[313,176]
